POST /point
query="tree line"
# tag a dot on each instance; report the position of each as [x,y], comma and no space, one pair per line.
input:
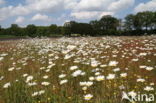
[31,30]
[142,23]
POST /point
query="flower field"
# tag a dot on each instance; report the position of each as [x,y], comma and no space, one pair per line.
[77,70]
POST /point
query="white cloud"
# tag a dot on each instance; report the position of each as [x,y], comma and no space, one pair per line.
[20,10]
[31,6]
[106,13]
[103,5]
[2,2]
[10,11]
[149,6]
[84,15]
[80,9]
[45,5]
[89,14]
[70,4]
[86,9]
[121,4]
[40,17]
[19,20]
[93,5]
[5,12]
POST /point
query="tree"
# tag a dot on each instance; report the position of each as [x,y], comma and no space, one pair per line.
[154,21]
[133,24]
[147,18]
[129,22]
[1,30]
[59,30]
[14,30]
[31,30]
[95,27]
[68,27]
[141,23]
[138,21]
[108,25]
[42,31]
[53,29]
[81,28]
[108,22]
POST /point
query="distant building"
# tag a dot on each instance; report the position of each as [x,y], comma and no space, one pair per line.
[69,23]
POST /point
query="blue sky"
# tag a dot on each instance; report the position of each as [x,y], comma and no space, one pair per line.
[46,12]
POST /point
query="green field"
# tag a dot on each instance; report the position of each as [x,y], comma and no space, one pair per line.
[7,36]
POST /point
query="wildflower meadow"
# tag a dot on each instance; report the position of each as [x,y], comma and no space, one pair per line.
[78,70]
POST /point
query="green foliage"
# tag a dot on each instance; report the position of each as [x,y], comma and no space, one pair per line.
[15,30]
[107,25]
[81,28]
[7,36]
[53,29]
[141,23]
[129,22]
[66,31]
[133,24]
[31,30]
[42,31]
